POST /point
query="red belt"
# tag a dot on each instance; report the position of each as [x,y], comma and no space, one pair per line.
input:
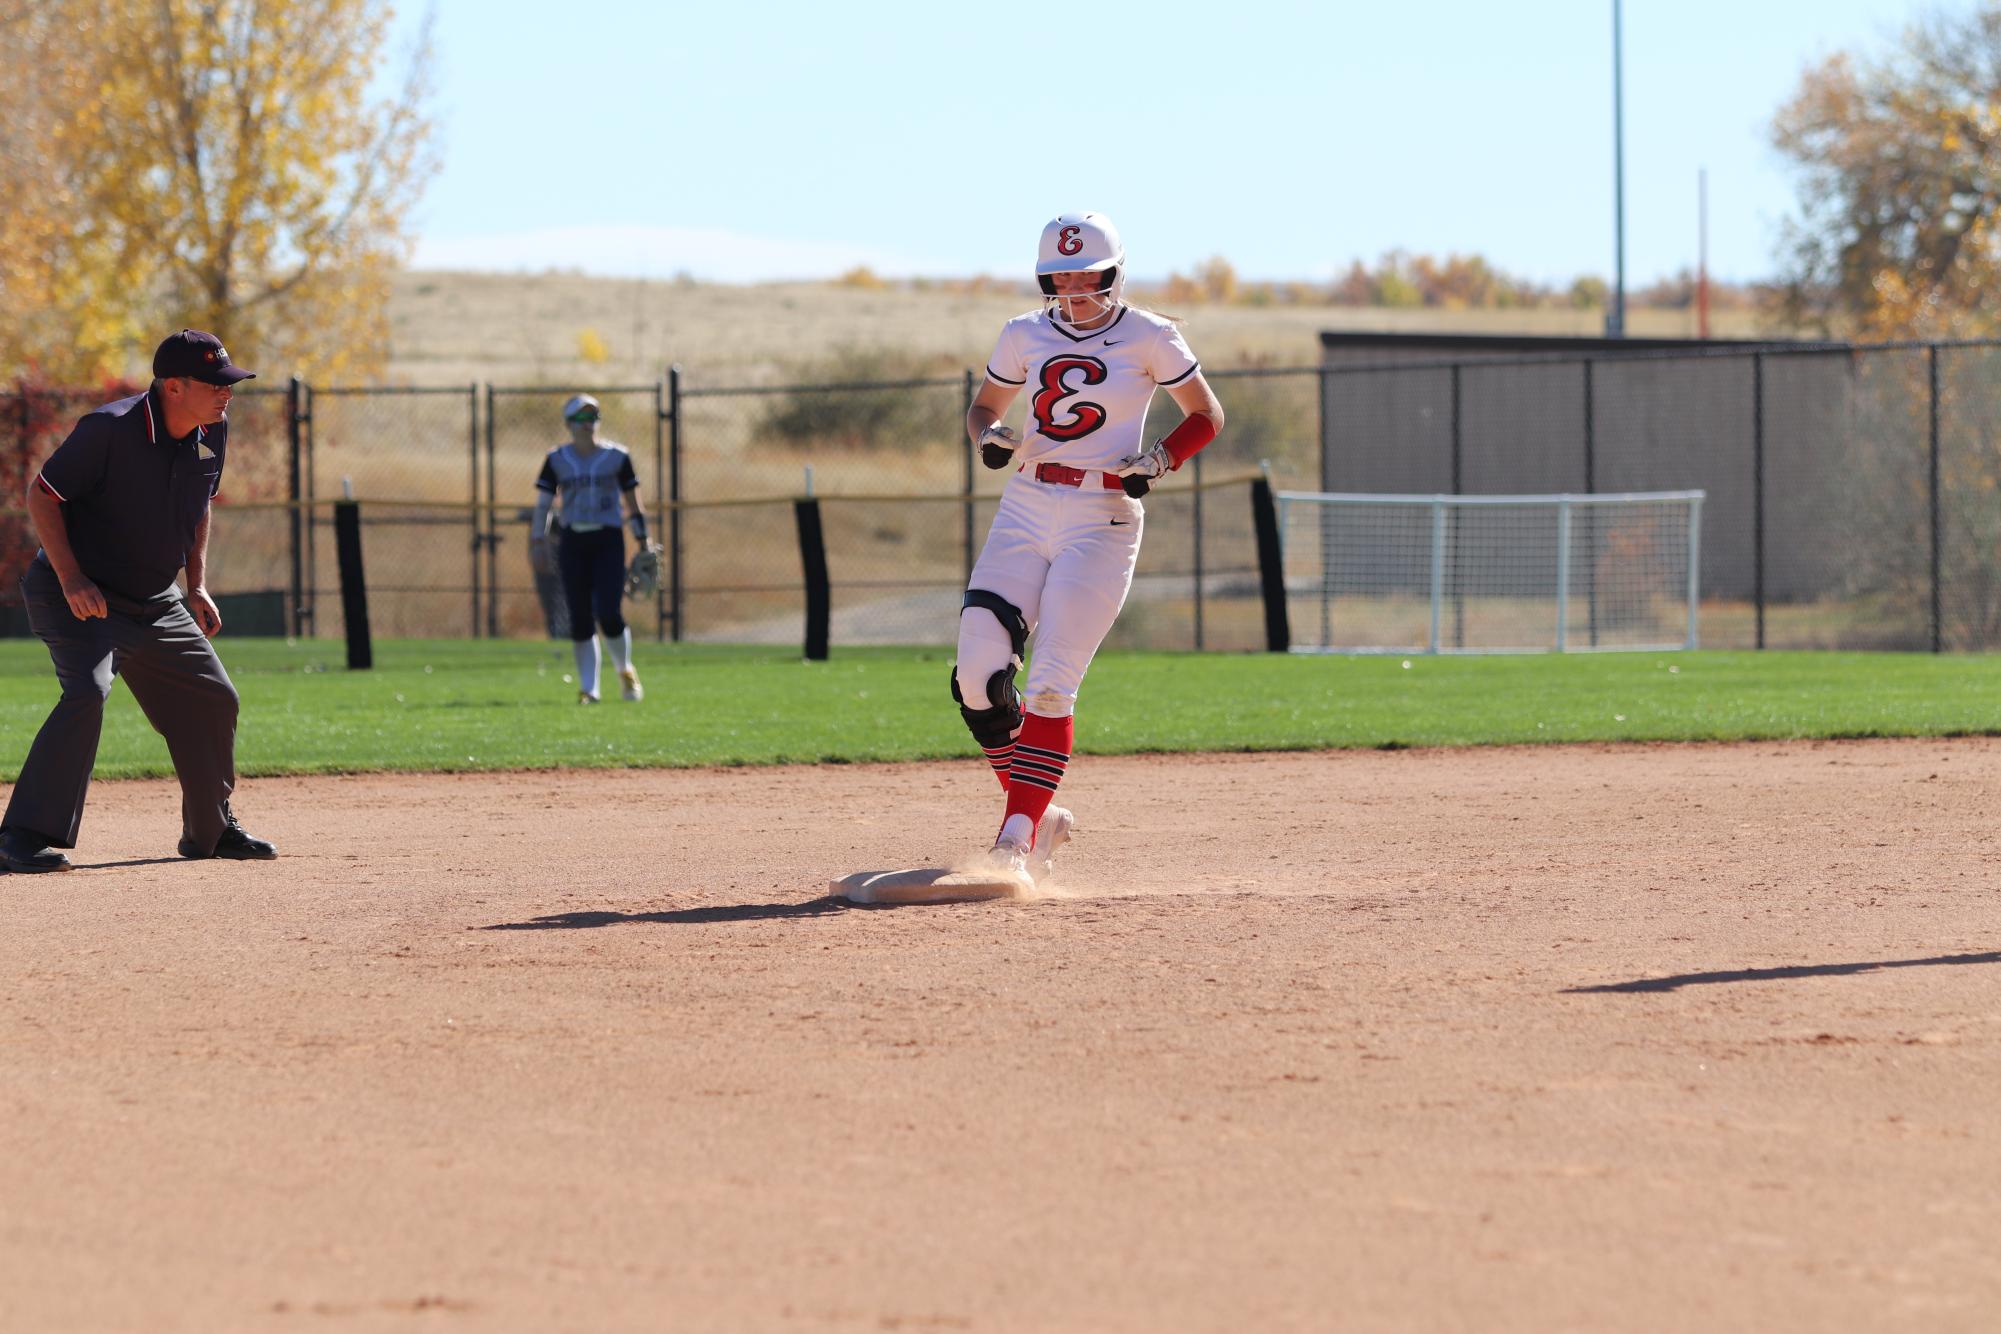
[1057,474]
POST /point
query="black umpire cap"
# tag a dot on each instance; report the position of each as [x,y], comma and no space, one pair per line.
[198,356]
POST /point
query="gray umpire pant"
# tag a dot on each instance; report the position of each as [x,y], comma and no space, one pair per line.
[174,674]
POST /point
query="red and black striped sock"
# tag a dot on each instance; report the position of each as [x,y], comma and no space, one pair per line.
[1041,754]
[1001,758]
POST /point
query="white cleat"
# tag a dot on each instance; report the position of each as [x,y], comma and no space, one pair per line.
[1051,833]
[1010,860]
[586,697]
[629,687]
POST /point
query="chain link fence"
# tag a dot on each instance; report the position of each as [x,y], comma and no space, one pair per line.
[1852,492]
[1851,489]
[887,462]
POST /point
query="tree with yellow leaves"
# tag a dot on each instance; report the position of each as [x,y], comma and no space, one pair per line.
[219,164]
[1897,239]
[1900,163]
[56,323]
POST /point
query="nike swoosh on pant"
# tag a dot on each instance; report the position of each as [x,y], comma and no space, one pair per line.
[1120,523]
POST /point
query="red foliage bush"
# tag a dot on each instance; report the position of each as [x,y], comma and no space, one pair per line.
[34,419]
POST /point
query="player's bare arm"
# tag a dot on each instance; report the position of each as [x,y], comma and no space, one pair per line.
[200,605]
[635,516]
[989,406]
[983,423]
[1193,396]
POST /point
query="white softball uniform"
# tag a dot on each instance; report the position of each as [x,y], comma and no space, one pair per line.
[1064,554]
[1088,393]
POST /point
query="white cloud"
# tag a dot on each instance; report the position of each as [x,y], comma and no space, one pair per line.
[662,252]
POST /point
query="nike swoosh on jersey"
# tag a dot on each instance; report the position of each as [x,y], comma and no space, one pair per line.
[1113,342]
[1121,523]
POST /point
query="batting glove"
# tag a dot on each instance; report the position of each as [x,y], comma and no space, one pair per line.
[1152,463]
[997,446]
[1138,472]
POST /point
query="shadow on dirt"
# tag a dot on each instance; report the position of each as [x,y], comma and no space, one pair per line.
[135,861]
[1779,974]
[741,912]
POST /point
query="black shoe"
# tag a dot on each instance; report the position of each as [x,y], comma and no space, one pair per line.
[234,844]
[28,853]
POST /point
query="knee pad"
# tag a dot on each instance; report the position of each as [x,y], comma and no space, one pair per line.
[996,724]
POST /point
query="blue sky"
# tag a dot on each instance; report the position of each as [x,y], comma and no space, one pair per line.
[764,141]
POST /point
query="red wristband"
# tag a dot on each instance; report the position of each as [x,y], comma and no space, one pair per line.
[1185,441]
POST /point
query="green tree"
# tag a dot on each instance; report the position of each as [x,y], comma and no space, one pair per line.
[1900,181]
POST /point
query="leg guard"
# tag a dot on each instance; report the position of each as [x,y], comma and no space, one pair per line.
[995,725]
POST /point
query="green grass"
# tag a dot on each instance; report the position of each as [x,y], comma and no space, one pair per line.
[457,705]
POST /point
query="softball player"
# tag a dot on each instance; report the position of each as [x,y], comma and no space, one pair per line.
[590,477]
[1058,561]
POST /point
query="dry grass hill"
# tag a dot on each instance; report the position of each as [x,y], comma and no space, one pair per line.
[554,328]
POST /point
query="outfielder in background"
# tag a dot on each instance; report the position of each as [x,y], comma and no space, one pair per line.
[587,482]
[1058,561]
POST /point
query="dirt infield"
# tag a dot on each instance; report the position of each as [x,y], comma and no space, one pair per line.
[1678,1038]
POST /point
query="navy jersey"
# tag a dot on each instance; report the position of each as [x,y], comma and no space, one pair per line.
[133,497]
[590,486]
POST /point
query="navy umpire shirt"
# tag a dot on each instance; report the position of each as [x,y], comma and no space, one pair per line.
[132,497]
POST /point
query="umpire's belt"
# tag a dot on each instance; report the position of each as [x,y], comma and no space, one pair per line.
[1057,474]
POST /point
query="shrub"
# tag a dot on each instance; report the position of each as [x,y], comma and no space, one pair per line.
[862,398]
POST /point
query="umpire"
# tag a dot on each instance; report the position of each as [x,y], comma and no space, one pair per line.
[121,508]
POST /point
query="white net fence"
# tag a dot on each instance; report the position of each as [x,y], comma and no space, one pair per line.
[1491,574]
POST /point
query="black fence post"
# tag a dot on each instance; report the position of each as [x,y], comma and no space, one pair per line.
[492,527]
[295,421]
[1458,592]
[813,565]
[1197,499]
[659,499]
[472,494]
[353,584]
[1758,489]
[677,606]
[1326,445]
[967,517]
[1590,512]
[1271,566]
[309,516]
[1938,546]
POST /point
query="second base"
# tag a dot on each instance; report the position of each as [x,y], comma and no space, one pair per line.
[927,885]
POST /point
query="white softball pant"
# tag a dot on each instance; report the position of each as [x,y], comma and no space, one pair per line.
[1064,556]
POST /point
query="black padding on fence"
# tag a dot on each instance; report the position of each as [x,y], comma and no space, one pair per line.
[1271,570]
[813,565]
[353,586]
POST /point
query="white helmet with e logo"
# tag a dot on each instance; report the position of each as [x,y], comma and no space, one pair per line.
[1081,243]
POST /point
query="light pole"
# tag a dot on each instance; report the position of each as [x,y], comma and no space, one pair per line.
[1615,318]
[1702,253]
